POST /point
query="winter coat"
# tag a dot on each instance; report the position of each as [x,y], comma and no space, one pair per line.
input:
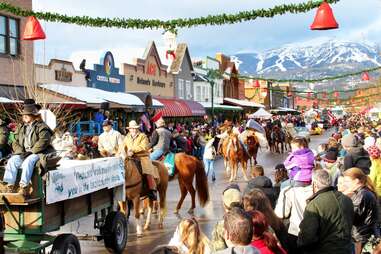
[5,149]
[161,139]
[365,219]
[357,157]
[239,250]
[41,138]
[327,223]
[375,175]
[264,183]
[139,146]
[291,204]
[210,151]
[111,142]
[301,164]
[261,246]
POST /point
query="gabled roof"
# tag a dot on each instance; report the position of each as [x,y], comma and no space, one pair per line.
[151,49]
[181,53]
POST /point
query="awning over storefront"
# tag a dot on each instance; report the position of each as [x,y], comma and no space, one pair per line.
[242,103]
[4,100]
[196,108]
[208,105]
[174,108]
[96,96]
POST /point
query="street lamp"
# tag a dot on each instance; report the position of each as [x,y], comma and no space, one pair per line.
[211,76]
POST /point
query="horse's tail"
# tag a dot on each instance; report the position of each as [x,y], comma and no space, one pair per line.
[201,184]
[162,187]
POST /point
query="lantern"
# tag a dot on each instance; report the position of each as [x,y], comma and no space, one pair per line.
[324,19]
[33,30]
[365,76]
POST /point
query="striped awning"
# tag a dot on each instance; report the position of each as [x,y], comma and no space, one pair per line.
[174,108]
[196,108]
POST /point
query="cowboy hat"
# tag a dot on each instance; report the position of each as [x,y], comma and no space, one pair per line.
[133,125]
[107,123]
[160,122]
[30,109]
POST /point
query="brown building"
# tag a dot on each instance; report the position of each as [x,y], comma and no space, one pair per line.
[149,74]
[16,56]
[232,87]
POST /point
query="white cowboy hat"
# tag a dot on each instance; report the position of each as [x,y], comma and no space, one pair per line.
[133,125]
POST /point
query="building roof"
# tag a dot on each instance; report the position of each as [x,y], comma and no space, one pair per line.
[181,53]
[95,96]
[243,103]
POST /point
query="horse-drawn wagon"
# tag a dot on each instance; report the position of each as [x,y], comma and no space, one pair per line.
[74,190]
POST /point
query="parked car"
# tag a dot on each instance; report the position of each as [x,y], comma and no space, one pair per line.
[303,132]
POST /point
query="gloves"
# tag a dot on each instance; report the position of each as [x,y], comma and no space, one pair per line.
[25,155]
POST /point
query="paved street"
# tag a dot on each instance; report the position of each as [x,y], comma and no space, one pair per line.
[207,216]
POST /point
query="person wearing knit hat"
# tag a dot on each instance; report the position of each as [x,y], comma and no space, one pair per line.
[356,155]
[375,169]
[161,138]
[231,197]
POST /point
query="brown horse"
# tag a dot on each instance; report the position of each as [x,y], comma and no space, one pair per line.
[278,139]
[187,167]
[252,148]
[234,153]
[134,191]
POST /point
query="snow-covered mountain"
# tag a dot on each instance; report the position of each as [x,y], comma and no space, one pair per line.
[314,60]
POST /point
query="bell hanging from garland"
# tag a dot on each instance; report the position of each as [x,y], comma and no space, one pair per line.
[257,84]
[365,76]
[33,30]
[170,45]
[324,19]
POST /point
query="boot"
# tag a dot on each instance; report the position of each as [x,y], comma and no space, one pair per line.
[152,187]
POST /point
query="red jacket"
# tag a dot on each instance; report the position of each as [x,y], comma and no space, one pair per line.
[261,246]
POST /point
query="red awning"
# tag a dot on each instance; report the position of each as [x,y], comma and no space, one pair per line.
[196,108]
[174,108]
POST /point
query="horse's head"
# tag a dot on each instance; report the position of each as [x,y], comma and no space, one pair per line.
[235,141]
[251,140]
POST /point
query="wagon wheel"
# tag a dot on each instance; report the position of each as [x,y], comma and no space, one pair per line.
[66,244]
[115,232]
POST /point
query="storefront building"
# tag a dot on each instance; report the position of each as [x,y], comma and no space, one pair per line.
[105,75]
[181,68]
[232,86]
[16,56]
[59,72]
[149,74]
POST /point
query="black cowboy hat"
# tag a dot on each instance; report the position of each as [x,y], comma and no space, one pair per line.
[30,108]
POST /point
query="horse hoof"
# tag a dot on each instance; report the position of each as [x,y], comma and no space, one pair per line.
[139,235]
[154,212]
[161,226]
[146,228]
[191,211]
[176,211]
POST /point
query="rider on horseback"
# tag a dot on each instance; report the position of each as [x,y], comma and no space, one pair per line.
[137,146]
[160,140]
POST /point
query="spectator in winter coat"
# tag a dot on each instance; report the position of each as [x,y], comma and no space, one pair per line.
[375,169]
[300,162]
[209,157]
[356,156]
[110,141]
[327,220]
[359,188]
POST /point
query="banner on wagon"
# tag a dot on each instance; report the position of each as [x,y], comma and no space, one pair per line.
[76,178]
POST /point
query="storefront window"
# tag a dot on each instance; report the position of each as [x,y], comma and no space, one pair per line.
[181,88]
[188,93]
[9,36]
[2,34]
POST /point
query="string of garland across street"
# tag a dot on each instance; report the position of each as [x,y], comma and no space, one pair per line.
[171,25]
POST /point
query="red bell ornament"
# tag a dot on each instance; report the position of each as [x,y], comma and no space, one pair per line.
[33,30]
[257,84]
[324,19]
[365,76]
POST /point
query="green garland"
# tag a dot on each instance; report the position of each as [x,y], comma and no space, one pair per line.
[219,19]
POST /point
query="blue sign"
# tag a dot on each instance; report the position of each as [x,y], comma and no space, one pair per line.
[105,76]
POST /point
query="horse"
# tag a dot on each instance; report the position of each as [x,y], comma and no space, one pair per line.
[270,141]
[287,140]
[134,192]
[278,138]
[252,148]
[234,152]
[186,168]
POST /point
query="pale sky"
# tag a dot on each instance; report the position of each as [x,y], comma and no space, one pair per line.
[358,21]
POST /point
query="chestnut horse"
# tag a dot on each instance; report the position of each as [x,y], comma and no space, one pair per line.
[234,153]
[188,167]
[252,148]
[134,191]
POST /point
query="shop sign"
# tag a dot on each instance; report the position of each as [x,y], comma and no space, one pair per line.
[63,75]
[78,178]
[148,82]
[105,76]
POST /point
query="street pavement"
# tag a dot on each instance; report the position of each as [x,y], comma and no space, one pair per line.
[207,216]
